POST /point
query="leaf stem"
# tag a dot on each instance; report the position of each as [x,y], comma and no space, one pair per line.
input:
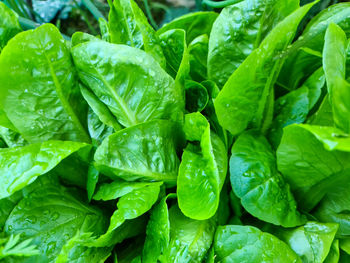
[29,24]
[93,9]
[220,4]
[149,14]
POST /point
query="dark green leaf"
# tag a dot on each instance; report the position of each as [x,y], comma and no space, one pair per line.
[255,179]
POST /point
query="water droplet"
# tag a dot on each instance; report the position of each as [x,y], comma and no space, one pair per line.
[31,219]
[10,227]
[55,216]
[51,247]
[46,212]
[151,73]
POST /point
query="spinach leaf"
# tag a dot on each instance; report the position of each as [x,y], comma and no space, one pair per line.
[20,166]
[9,25]
[100,109]
[335,207]
[51,216]
[295,106]
[249,244]
[75,250]
[118,188]
[255,179]
[175,51]
[304,56]
[129,81]
[172,237]
[128,25]
[153,157]
[333,255]
[312,160]
[39,88]
[250,85]
[202,170]
[197,96]
[334,64]
[239,30]
[324,115]
[311,242]
[198,56]
[130,206]
[12,138]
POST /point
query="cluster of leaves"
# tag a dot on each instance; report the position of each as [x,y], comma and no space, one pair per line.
[116,147]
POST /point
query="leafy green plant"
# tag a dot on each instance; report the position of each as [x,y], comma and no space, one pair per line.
[219,137]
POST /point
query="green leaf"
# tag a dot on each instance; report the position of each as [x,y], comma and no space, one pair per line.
[197,96]
[295,106]
[75,251]
[334,64]
[311,242]
[104,28]
[81,37]
[20,166]
[128,25]
[11,137]
[100,109]
[239,30]
[51,216]
[335,207]
[333,255]
[118,188]
[324,115]
[194,24]
[157,233]
[13,247]
[304,56]
[242,100]
[312,161]
[255,179]
[39,87]
[176,53]
[130,206]
[248,244]
[190,239]
[174,47]
[198,56]
[202,170]
[9,25]
[152,158]
[97,129]
[129,81]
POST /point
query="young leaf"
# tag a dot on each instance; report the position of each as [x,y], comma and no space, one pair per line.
[202,170]
[334,65]
[128,25]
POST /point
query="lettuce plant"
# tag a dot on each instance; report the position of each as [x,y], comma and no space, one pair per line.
[220,137]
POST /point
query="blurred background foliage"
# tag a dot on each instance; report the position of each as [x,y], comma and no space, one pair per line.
[82,15]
